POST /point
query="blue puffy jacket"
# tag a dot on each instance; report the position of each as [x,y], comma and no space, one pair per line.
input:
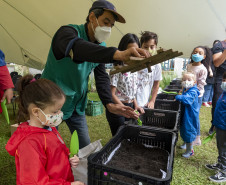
[189,113]
[2,58]
[219,119]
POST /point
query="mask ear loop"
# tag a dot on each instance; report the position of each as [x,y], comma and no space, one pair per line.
[45,117]
[92,25]
[97,22]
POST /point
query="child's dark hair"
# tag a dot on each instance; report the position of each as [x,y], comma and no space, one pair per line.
[224,75]
[207,61]
[41,92]
[125,40]
[147,35]
[215,42]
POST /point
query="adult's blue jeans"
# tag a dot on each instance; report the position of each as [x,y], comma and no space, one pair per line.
[78,123]
[208,94]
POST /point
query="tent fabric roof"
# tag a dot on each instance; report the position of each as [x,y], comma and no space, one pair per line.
[27,27]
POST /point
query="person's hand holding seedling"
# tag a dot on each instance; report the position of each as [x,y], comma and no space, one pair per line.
[74,161]
[139,110]
[139,122]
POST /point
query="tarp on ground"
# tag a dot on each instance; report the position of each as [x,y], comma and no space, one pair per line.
[27,26]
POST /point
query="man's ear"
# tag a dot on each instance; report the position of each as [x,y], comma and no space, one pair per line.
[92,17]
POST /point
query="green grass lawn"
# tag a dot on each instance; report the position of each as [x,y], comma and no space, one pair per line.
[185,171]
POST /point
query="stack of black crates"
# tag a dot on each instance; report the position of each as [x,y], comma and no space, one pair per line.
[159,129]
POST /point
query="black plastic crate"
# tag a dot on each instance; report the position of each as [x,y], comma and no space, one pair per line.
[174,87]
[102,174]
[164,96]
[159,119]
[162,119]
[172,90]
[175,82]
[167,105]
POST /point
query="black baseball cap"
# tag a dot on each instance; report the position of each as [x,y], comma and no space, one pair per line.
[106,5]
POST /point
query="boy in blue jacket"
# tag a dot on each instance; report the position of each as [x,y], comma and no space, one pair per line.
[219,122]
[189,112]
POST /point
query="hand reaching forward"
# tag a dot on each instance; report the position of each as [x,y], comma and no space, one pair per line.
[122,110]
[135,52]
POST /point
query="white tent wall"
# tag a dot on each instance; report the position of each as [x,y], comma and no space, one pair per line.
[27,26]
[180,24]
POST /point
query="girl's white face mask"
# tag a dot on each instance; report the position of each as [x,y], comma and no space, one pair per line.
[223,86]
[101,33]
[187,84]
[153,52]
[52,120]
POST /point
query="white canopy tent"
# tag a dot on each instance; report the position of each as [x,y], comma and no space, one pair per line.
[27,26]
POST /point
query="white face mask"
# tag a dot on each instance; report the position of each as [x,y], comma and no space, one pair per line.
[223,86]
[52,120]
[187,84]
[153,52]
[101,33]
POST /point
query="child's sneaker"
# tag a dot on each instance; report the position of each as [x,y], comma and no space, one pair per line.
[189,154]
[211,130]
[213,166]
[183,146]
[219,177]
[205,104]
[210,103]
[197,141]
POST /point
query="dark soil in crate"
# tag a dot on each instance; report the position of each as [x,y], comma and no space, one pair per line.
[139,159]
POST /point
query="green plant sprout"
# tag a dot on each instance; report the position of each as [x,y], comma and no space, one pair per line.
[169,92]
[5,111]
[139,122]
[74,144]
[209,138]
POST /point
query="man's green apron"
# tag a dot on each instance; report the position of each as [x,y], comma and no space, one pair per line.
[71,77]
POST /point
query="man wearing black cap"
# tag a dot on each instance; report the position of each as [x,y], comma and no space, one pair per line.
[219,61]
[75,51]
